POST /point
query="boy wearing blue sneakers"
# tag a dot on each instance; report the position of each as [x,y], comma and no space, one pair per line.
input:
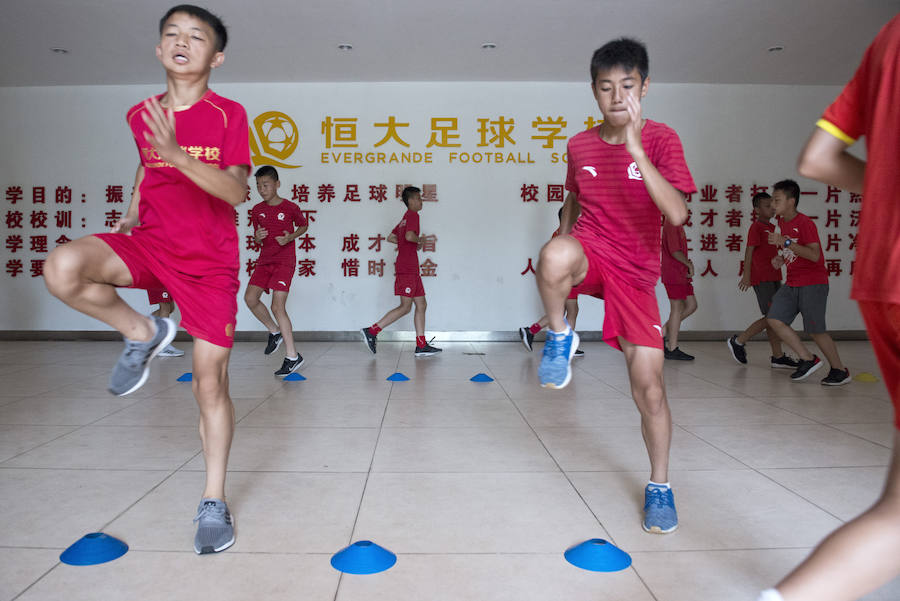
[622,175]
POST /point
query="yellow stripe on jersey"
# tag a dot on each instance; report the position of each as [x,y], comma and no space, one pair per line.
[835,131]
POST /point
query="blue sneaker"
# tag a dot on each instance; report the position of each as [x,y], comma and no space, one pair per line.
[556,363]
[660,516]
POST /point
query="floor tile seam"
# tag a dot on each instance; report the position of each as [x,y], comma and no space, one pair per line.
[38,579]
[258,405]
[835,428]
[34,448]
[759,471]
[84,469]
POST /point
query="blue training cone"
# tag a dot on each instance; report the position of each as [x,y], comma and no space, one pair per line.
[397,377]
[294,377]
[598,555]
[92,549]
[481,377]
[363,557]
[185,377]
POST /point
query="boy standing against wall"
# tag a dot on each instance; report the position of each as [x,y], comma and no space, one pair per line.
[676,274]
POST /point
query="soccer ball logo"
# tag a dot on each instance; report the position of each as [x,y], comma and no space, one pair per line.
[276,138]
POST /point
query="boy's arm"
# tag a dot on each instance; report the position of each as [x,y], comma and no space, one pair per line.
[810,252]
[682,258]
[571,209]
[667,197]
[286,238]
[131,218]
[411,236]
[744,284]
[825,158]
[229,184]
[392,238]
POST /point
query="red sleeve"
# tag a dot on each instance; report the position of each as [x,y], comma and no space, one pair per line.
[809,233]
[753,235]
[254,217]
[236,147]
[672,166]
[412,223]
[848,113]
[299,218]
[671,238]
[571,184]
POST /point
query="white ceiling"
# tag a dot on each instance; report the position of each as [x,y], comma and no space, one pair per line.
[690,41]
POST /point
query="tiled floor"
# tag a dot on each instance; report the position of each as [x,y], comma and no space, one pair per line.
[478,487]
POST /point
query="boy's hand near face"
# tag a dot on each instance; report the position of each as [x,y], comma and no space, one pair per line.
[161,136]
[633,130]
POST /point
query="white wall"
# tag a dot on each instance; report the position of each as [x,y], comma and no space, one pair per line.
[732,134]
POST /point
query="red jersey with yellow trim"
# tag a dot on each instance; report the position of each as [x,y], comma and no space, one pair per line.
[870,106]
[802,272]
[618,217]
[407,252]
[674,239]
[280,219]
[189,227]
[761,269]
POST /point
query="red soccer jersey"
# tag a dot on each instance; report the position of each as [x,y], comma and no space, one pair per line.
[179,221]
[674,239]
[800,271]
[407,255]
[618,217]
[868,106]
[761,269]
[283,218]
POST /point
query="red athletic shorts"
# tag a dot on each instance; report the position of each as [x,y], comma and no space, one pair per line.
[408,284]
[273,276]
[208,303]
[630,312]
[679,291]
[883,325]
[158,297]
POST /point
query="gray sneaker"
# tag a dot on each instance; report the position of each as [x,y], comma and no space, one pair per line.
[171,351]
[215,530]
[133,366]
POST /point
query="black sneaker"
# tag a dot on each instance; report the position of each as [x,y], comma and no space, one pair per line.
[427,350]
[785,362]
[806,368]
[275,341]
[578,353]
[836,377]
[677,355]
[290,365]
[527,337]
[369,338]
[737,350]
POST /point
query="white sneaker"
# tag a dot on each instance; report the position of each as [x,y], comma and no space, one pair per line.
[171,351]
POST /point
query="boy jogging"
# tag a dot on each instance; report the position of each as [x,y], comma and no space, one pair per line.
[622,174]
[862,555]
[274,221]
[760,273]
[194,162]
[408,282]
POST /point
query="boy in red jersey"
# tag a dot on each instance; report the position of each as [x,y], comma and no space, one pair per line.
[676,274]
[277,222]
[862,555]
[165,308]
[408,282]
[622,174]
[806,290]
[760,273]
[194,161]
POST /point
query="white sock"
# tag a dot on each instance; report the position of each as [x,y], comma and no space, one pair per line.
[292,358]
[565,332]
[658,484]
[770,595]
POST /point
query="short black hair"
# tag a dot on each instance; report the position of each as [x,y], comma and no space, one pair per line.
[627,53]
[790,189]
[759,196]
[267,170]
[408,192]
[204,15]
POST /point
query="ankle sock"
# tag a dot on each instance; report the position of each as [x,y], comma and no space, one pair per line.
[659,484]
[535,328]
[420,342]
[375,329]
[770,595]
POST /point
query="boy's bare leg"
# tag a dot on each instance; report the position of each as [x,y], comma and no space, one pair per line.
[857,558]
[252,297]
[787,335]
[84,274]
[164,310]
[396,313]
[645,370]
[755,328]
[690,307]
[571,311]
[419,315]
[279,300]
[562,264]
[826,344]
[210,386]
[673,324]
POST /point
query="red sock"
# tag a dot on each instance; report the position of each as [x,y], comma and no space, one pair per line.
[535,328]
[420,342]
[375,329]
